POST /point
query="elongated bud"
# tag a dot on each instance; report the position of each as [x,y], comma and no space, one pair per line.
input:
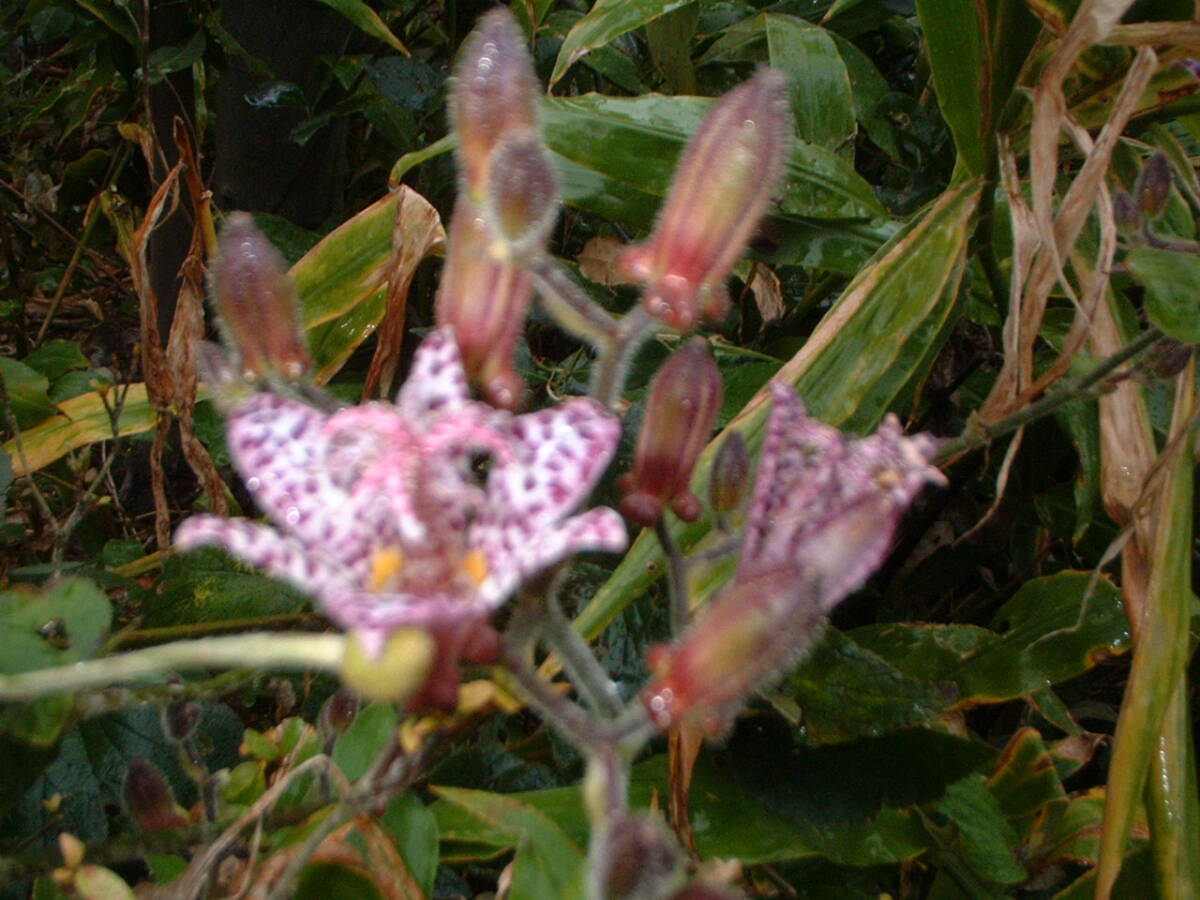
[337,713]
[685,397]
[724,181]
[179,720]
[149,799]
[256,303]
[494,94]
[522,198]
[1154,186]
[747,636]
[636,858]
[486,302]
[730,473]
[1125,212]
[702,891]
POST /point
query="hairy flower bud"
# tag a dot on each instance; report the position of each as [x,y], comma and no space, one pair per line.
[730,472]
[522,197]
[1154,186]
[636,858]
[685,397]
[724,181]
[486,302]
[494,94]
[149,799]
[1125,212]
[256,303]
[337,713]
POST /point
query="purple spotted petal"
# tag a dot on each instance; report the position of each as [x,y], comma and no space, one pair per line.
[558,455]
[512,556]
[280,448]
[375,616]
[265,548]
[436,385]
[828,505]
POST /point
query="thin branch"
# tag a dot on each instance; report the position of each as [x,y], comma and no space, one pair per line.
[978,434]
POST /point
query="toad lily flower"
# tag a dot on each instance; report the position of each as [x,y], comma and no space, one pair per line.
[824,512]
[379,512]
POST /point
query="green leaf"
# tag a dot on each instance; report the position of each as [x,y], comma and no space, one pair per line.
[1172,283]
[80,421]
[822,97]
[1025,781]
[331,881]
[670,38]
[869,88]
[957,57]
[73,609]
[845,691]
[208,585]
[547,860]
[1055,628]
[359,744]
[606,20]
[619,143]
[55,358]
[367,20]
[26,389]
[986,842]
[414,829]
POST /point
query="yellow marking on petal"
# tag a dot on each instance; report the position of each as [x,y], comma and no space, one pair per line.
[475,565]
[386,564]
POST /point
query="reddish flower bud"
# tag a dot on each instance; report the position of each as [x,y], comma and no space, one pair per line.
[256,303]
[636,857]
[702,891]
[685,397]
[149,799]
[1154,186]
[1125,212]
[494,94]
[337,713]
[486,302]
[180,719]
[721,189]
[522,197]
[730,473]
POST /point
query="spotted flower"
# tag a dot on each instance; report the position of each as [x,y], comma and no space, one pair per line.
[822,519]
[425,513]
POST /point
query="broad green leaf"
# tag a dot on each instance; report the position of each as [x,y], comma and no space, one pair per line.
[1054,628]
[606,20]
[55,358]
[986,842]
[635,142]
[343,281]
[331,881]
[81,421]
[1172,283]
[957,56]
[869,88]
[1172,802]
[845,691]
[1025,781]
[414,829]
[846,784]
[822,97]
[359,744]
[26,390]
[547,859]
[727,820]
[367,20]
[880,335]
[208,585]
[73,606]
[670,38]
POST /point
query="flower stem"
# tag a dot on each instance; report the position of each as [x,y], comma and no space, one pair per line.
[979,433]
[585,670]
[570,306]
[266,649]
[677,569]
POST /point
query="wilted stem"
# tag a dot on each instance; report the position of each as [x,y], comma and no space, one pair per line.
[978,433]
[268,650]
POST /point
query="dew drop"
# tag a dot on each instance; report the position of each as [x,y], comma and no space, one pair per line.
[253,484]
[293,516]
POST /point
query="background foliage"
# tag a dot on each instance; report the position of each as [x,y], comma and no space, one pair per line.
[969,224]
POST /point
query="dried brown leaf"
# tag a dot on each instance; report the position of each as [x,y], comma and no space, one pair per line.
[598,261]
[768,293]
